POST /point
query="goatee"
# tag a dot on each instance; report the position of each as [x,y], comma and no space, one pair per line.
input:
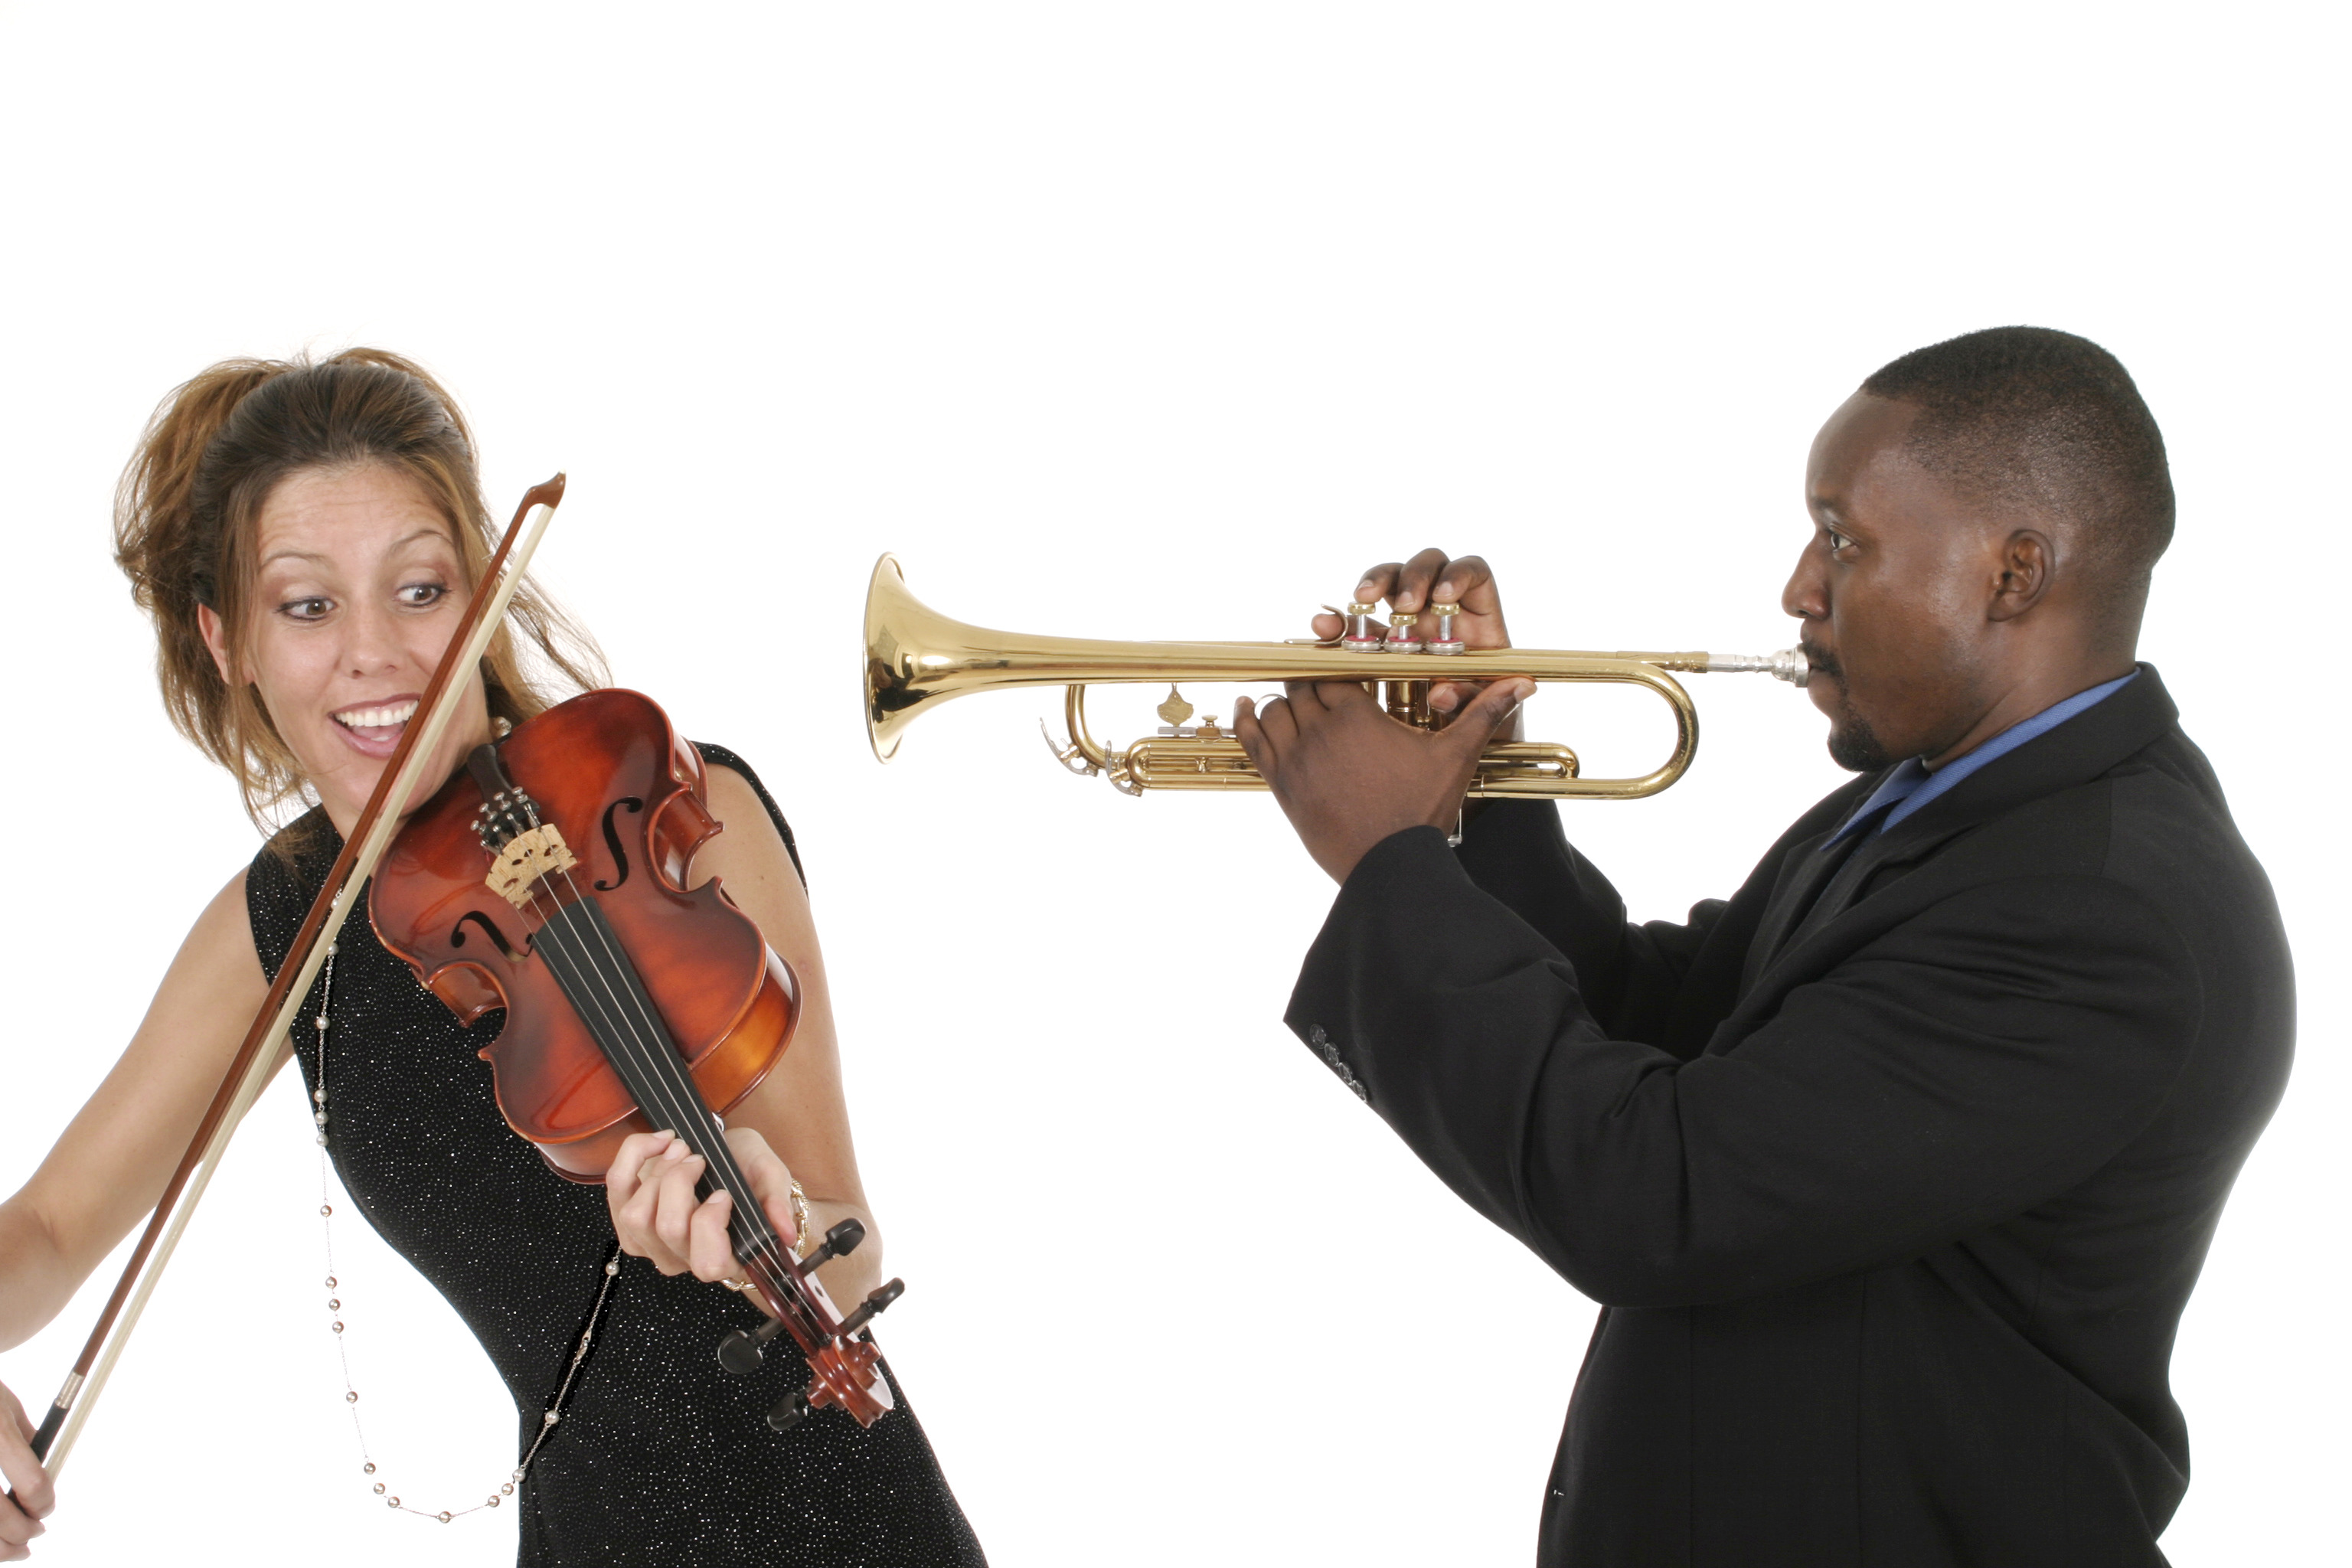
[1854,746]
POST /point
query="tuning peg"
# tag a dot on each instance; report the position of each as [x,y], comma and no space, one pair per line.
[790,1412]
[839,1242]
[740,1352]
[873,1306]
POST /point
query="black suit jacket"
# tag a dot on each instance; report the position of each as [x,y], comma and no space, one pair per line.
[1892,1182]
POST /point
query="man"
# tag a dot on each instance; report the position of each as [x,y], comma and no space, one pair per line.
[1894,1172]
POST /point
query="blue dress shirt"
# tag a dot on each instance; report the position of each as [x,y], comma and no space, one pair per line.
[1911,786]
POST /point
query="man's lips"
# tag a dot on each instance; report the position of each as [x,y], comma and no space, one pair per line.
[1820,661]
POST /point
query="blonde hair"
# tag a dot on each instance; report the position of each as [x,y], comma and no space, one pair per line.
[187,512]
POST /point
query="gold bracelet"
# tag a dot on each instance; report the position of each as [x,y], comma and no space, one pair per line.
[801,1242]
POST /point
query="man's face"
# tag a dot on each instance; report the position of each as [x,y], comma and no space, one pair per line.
[1893,591]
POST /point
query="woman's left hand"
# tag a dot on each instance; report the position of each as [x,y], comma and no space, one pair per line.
[651,1191]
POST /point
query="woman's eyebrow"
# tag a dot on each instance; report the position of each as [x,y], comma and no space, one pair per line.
[400,543]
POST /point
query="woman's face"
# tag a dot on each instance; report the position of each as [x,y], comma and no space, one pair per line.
[358,589]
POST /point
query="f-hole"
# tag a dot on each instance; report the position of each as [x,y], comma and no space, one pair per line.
[612,841]
[498,938]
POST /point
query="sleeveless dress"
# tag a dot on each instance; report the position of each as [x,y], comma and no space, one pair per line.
[661,1457]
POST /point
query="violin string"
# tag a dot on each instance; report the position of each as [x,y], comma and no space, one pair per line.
[548,1417]
[651,1051]
[623,1001]
[656,1053]
[648,1043]
[572,962]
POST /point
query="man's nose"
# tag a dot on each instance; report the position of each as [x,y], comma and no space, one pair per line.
[1806,595]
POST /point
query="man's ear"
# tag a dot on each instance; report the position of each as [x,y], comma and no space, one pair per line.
[216,640]
[2028,564]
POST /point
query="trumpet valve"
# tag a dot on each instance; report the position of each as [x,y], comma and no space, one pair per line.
[1360,636]
[1407,702]
[1443,638]
[1401,633]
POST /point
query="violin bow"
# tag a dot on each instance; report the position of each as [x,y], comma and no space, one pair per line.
[267,1044]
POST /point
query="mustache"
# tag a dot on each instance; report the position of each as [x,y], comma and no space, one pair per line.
[1820,661]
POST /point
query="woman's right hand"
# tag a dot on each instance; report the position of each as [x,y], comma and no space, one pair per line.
[30,1495]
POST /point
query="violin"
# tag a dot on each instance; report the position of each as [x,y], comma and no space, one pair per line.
[548,879]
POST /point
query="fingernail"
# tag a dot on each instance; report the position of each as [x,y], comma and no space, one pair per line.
[1444,592]
[1364,590]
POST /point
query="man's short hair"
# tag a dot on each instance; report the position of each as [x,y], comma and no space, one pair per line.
[2051,423]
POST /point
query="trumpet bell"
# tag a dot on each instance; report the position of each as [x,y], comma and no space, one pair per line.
[895,657]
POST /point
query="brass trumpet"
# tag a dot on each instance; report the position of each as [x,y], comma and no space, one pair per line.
[917,658]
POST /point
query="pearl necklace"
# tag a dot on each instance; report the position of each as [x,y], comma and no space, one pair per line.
[548,1418]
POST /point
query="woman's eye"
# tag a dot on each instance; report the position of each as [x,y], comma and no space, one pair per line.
[418,595]
[306,609]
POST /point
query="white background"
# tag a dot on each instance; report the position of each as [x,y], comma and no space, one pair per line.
[1133,321]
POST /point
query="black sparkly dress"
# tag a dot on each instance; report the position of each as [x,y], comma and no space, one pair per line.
[661,1455]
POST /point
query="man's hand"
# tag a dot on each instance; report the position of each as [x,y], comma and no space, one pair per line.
[1348,776]
[1431,578]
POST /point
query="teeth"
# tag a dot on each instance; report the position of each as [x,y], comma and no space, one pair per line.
[377,718]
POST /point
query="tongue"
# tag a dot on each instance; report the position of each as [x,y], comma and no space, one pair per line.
[377,739]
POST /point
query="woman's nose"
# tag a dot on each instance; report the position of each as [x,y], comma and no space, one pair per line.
[370,647]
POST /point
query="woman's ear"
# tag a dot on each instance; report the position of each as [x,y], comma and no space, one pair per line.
[209,624]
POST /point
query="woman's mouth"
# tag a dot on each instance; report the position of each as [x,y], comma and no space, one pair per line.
[374,727]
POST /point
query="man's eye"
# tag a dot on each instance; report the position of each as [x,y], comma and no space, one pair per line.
[1838,541]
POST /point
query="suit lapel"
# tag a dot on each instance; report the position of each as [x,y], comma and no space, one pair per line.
[2084,748]
[1807,871]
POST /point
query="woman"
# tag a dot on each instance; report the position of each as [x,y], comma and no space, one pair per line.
[306,537]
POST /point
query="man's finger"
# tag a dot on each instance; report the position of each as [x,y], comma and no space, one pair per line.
[1263,736]
[1277,719]
[1469,582]
[1376,581]
[1416,578]
[1478,723]
[1314,698]
[1338,695]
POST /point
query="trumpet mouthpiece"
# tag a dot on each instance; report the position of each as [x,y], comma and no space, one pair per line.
[1788,665]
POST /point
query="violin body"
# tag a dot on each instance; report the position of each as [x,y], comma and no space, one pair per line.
[548,879]
[628,798]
